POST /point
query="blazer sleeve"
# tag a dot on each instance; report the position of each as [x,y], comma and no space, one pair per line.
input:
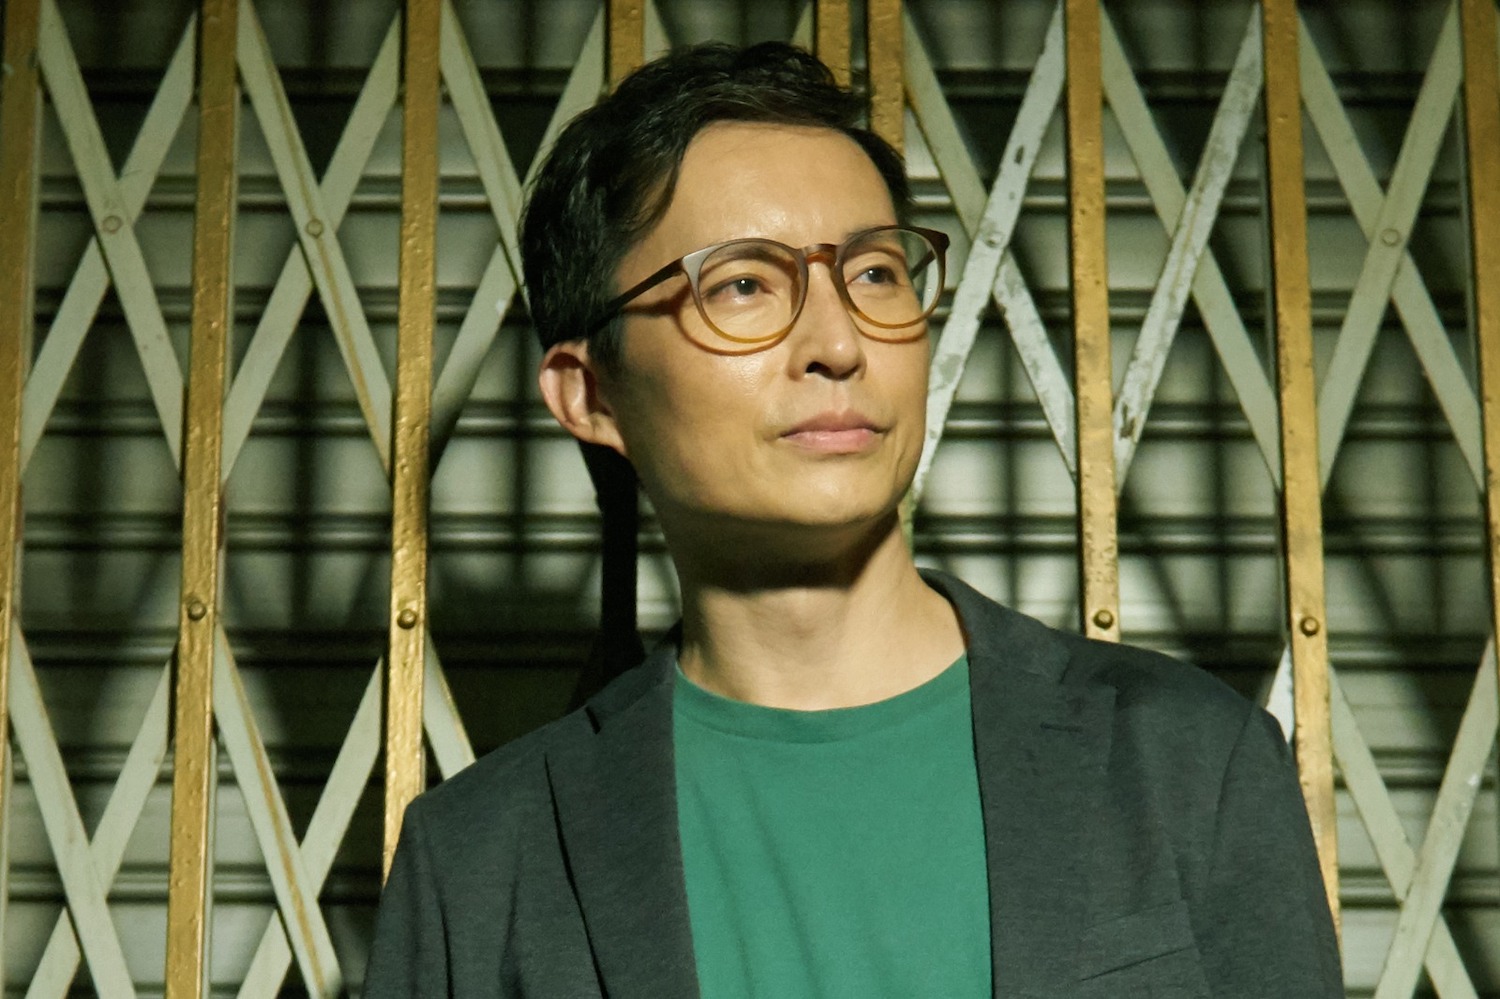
[409,953]
[1265,931]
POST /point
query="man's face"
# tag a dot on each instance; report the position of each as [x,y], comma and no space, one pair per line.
[824,429]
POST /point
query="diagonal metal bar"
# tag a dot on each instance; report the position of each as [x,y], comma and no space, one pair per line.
[295,282]
[1397,858]
[138,775]
[991,235]
[80,303]
[294,887]
[330,821]
[658,41]
[450,744]
[82,885]
[1190,231]
[502,276]
[802,33]
[107,205]
[1429,337]
[935,119]
[317,238]
[1221,316]
[501,280]
[585,84]
[1403,198]
[1445,830]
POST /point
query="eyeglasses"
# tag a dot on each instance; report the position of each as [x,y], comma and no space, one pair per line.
[749,292]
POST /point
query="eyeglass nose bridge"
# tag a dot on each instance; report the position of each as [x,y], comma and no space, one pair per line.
[828,254]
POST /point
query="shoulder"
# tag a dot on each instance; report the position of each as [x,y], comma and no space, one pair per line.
[1157,700]
[505,795]
[1158,689]
[489,805]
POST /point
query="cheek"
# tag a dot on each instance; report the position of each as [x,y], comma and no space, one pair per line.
[686,434]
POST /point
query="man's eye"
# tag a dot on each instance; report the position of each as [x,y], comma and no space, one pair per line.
[876,275]
[740,287]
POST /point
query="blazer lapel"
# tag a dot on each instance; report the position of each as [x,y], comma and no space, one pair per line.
[1041,746]
[616,801]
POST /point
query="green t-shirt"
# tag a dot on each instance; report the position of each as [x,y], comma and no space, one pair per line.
[834,853]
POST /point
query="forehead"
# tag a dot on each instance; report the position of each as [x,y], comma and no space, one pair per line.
[796,184]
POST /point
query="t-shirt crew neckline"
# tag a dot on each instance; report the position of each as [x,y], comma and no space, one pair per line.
[789,725]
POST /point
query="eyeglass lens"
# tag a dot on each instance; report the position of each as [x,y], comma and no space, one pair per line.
[750,289]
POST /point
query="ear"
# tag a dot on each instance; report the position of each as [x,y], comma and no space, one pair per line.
[570,386]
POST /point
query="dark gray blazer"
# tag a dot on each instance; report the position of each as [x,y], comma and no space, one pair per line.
[1143,827]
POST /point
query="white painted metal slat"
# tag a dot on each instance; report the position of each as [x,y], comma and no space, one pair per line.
[1391,229]
[116,236]
[1221,317]
[76,865]
[296,892]
[991,236]
[325,831]
[1397,858]
[1190,229]
[1433,870]
[295,283]
[316,231]
[80,304]
[1413,303]
[138,775]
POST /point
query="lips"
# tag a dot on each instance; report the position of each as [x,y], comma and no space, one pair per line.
[834,433]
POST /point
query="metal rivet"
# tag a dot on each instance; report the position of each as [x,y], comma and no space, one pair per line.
[1390,237]
[196,609]
[1309,626]
[314,228]
[111,223]
[1104,619]
[407,618]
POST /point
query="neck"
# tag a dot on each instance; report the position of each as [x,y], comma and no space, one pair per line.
[847,628]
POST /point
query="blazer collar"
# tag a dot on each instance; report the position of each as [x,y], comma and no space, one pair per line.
[616,797]
[1041,744]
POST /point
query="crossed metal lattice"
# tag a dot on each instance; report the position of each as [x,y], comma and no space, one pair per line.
[1419,876]
[297,869]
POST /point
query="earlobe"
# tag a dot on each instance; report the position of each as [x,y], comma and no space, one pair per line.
[570,387]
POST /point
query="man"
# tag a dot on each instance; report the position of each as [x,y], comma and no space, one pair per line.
[837,777]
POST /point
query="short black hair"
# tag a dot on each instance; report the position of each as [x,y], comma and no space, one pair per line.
[611,175]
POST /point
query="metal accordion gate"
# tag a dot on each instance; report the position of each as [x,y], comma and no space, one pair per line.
[1240,375]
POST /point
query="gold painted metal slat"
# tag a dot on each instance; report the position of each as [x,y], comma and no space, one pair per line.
[626,30]
[188,896]
[1099,551]
[885,38]
[831,28]
[405,769]
[20,123]
[1482,146]
[1301,507]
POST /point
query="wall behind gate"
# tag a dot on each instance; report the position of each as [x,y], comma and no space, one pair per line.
[514,573]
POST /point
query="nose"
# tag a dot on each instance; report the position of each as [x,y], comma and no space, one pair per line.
[825,341]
